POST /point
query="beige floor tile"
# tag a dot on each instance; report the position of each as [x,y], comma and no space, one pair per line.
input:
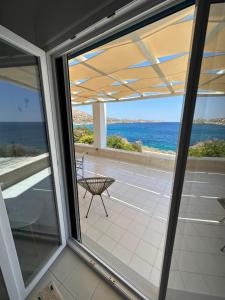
[104,291]
[82,283]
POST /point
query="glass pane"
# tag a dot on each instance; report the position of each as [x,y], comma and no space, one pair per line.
[135,85]
[25,167]
[3,291]
[198,263]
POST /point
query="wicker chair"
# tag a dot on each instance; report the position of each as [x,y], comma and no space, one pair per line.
[96,186]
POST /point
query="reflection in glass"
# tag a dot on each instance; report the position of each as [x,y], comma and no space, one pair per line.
[198,263]
[3,291]
[25,169]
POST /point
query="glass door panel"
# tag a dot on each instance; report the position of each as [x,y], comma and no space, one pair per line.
[3,291]
[139,79]
[25,161]
[198,262]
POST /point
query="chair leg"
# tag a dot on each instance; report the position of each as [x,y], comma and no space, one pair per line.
[89,206]
[108,192]
[104,206]
[85,194]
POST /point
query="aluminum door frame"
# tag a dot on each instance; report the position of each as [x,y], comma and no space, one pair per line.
[9,260]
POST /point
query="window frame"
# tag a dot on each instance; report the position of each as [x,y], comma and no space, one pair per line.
[10,264]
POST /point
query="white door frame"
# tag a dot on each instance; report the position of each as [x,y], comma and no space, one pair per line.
[8,257]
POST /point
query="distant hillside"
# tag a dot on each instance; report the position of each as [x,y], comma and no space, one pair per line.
[216,121]
[81,118]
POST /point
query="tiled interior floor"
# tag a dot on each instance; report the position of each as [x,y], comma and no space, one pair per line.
[75,280]
[131,239]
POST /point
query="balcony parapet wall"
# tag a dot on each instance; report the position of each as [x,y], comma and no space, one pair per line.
[23,169]
[162,161]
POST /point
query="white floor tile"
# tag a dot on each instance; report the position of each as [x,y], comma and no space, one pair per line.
[82,284]
[106,242]
[129,241]
[122,253]
[115,232]
[140,266]
[136,229]
[93,233]
[146,251]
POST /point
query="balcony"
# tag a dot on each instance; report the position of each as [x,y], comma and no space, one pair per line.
[131,239]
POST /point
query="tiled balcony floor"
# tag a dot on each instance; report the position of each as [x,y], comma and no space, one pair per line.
[135,229]
[131,239]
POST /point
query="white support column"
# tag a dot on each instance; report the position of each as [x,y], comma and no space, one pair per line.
[99,122]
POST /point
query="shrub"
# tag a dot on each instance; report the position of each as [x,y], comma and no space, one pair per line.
[117,142]
[213,148]
[17,150]
[87,139]
[83,135]
[137,146]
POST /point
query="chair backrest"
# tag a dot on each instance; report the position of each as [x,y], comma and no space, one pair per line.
[96,185]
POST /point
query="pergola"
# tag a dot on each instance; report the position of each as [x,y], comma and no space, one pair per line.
[148,63]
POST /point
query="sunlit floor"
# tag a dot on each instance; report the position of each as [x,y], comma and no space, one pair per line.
[131,239]
[133,234]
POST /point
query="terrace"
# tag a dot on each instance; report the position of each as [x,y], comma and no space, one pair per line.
[131,239]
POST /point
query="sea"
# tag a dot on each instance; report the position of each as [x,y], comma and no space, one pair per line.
[29,134]
[158,135]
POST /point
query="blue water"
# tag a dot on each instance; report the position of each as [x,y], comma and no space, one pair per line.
[162,136]
[30,134]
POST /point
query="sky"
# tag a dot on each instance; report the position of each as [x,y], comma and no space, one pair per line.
[165,109]
[20,104]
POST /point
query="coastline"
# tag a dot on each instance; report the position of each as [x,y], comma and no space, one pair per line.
[159,137]
[122,122]
[147,149]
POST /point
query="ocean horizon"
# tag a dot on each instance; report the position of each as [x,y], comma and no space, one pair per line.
[162,135]
[159,135]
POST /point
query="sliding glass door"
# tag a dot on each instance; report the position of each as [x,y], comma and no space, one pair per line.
[126,107]
[198,261]
[159,62]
